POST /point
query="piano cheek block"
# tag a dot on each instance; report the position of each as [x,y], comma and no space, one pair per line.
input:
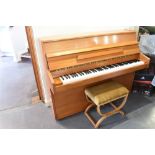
[77,62]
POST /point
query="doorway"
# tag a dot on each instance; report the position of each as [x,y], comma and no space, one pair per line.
[17,80]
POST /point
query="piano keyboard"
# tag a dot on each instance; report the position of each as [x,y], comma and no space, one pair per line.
[71,78]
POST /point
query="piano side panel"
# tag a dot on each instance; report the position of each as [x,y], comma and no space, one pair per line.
[72,101]
[45,66]
[145,59]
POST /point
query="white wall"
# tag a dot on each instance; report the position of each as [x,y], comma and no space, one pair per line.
[59,30]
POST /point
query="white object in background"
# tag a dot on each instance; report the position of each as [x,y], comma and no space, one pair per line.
[153,81]
[6,46]
[147,44]
[19,41]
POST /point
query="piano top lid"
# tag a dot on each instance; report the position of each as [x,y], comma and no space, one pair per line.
[83,35]
[65,45]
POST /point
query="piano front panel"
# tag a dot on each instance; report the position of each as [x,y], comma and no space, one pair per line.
[55,63]
[72,100]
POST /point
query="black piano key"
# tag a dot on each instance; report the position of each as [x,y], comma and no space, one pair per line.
[82,73]
[104,67]
[109,66]
[76,75]
[98,69]
[130,62]
[73,75]
[136,60]
[122,64]
[93,70]
[116,65]
[66,77]
[112,66]
[101,68]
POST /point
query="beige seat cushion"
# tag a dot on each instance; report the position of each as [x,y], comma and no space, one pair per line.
[105,92]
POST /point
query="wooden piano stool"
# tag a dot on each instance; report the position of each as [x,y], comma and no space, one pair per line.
[103,94]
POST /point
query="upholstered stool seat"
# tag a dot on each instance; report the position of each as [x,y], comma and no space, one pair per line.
[103,94]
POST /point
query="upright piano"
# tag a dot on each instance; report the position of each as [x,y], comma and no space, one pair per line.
[74,63]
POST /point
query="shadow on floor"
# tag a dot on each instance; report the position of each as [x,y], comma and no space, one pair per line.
[38,116]
[135,102]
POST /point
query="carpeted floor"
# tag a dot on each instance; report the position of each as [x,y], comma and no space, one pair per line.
[16,83]
[16,110]
[140,114]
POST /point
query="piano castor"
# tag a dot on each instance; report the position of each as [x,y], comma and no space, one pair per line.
[74,63]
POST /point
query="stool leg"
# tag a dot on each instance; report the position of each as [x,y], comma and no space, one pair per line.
[104,115]
[121,106]
[115,111]
[89,107]
[87,114]
[100,121]
[95,124]
[123,102]
[116,108]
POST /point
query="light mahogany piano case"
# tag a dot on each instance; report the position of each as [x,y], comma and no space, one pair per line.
[74,54]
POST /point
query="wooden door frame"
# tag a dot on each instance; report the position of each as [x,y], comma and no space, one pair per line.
[32,50]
